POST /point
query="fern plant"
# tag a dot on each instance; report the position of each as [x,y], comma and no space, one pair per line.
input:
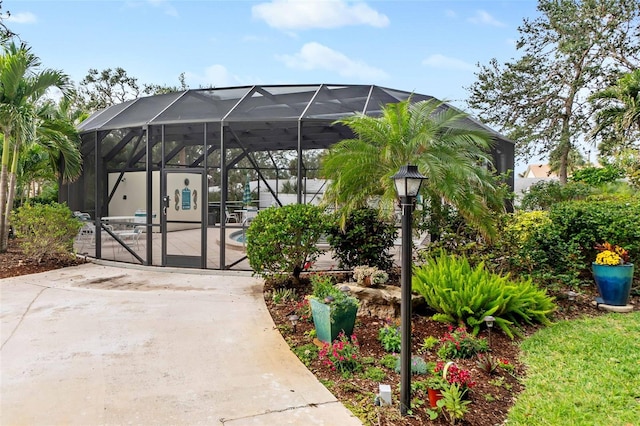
[462,294]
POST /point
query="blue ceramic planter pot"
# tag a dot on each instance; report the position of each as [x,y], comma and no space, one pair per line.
[614,283]
[330,323]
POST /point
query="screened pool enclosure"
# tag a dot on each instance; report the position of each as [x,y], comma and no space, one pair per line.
[175,179]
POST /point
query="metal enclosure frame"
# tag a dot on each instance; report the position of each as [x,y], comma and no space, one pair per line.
[221,131]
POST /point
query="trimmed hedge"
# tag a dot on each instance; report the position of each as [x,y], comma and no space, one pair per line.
[282,240]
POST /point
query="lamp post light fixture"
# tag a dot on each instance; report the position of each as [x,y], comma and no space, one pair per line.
[407,182]
[294,321]
[489,320]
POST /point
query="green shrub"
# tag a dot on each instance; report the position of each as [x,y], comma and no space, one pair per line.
[544,194]
[555,248]
[390,338]
[461,294]
[364,239]
[597,175]
[282,240]
[521,226]
[45,230]
[533,248]
[585,223]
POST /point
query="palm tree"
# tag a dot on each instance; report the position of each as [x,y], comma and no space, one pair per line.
[21,120]
[619,121]
[428,134]
[621,112]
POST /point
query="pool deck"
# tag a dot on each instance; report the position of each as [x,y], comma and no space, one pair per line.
[188,242]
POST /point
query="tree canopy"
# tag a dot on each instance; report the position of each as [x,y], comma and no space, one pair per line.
[540,100]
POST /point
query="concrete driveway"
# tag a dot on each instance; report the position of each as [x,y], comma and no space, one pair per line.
[103,345]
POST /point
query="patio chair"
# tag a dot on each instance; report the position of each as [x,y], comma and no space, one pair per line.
[82,216]
[132,236]
[228,216]
[87,234]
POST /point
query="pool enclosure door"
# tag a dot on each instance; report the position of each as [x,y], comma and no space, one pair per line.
[183,218]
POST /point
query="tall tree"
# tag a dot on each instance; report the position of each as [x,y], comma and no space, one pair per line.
[22,87]
[571,50]
[425,134]
[101,89]
[5,33]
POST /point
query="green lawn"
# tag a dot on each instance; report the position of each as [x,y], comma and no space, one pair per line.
[582,372]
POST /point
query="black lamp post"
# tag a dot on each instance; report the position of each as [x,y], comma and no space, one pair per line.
[407,182]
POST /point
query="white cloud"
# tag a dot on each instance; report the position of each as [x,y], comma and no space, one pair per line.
[301,15]
[450,13]
[214,76]
[165,6]
[314,56]
[21,18]
[484,18]
[445,62]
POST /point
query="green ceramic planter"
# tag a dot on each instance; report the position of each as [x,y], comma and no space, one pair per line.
[614,283]
[329,323]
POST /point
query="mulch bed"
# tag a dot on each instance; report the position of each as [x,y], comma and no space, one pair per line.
[490,399]
[14,263]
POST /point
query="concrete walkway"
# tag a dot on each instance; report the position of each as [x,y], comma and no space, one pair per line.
[102,345]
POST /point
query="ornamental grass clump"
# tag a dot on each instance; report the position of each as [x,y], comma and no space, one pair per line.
[461,294]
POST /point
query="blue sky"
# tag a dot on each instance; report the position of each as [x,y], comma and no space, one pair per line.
[427,46]
[431,47]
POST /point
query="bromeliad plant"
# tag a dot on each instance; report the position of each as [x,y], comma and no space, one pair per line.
[609,254]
